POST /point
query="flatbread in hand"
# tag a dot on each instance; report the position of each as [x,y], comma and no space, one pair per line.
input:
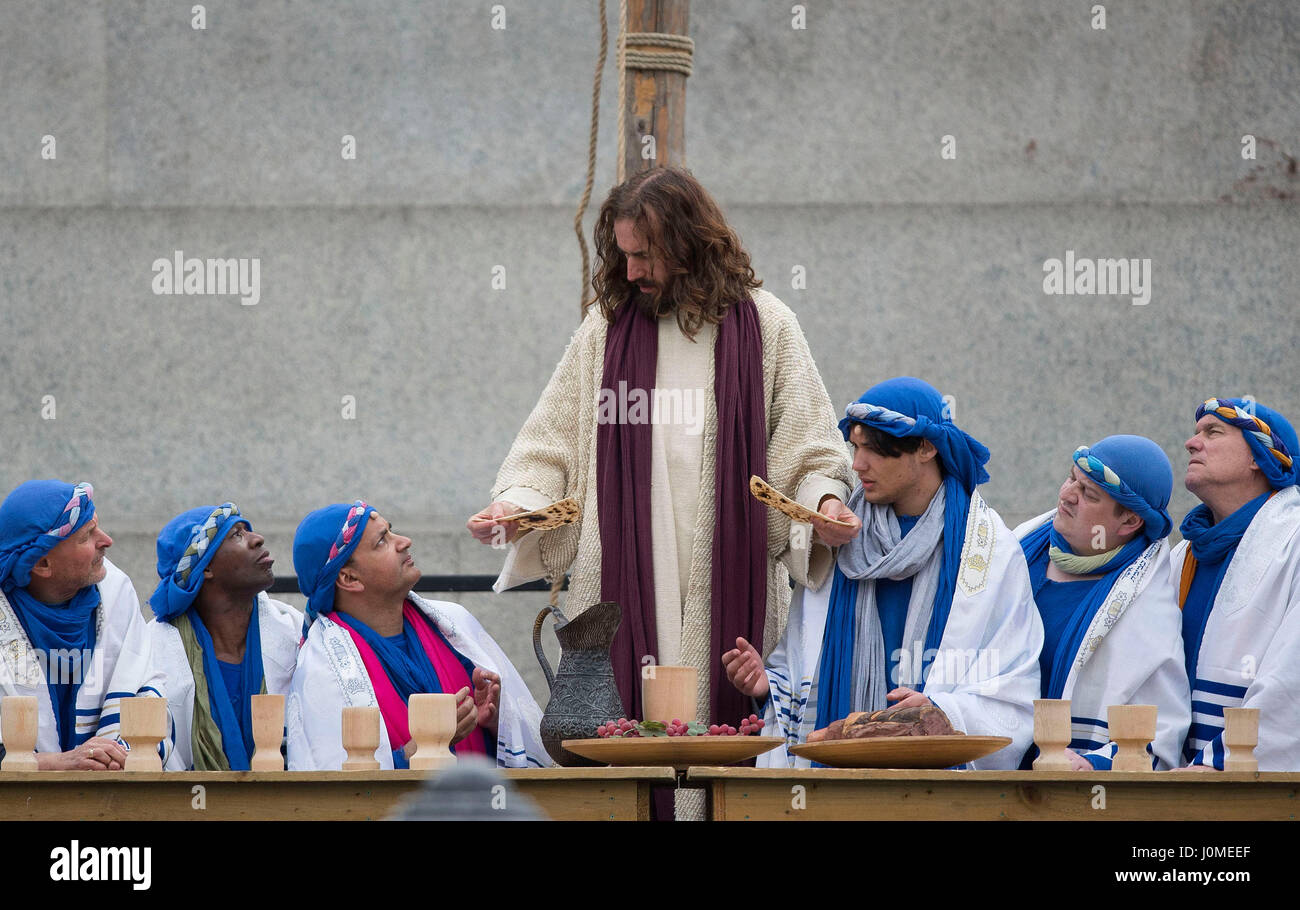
[564,512]
[768,495]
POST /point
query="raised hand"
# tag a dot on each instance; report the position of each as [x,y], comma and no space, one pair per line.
[744,666]
[487,697]
[486,529]
[466,715]
[834,535]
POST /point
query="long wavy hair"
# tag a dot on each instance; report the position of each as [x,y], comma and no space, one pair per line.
[707,269]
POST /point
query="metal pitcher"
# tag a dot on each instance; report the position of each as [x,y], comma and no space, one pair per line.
[583,692]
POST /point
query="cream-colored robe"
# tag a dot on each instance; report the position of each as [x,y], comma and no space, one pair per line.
[554,456]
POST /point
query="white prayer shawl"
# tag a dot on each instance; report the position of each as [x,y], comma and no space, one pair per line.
[330,677]
[280,626]
[1250,653]
[984,676]
[1131,654]
[121,665]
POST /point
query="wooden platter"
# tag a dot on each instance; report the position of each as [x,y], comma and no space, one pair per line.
[901,751]
[678,751]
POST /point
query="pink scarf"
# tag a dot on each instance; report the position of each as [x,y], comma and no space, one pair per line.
[451,674]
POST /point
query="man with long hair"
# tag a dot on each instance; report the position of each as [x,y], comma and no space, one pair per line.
[683,381]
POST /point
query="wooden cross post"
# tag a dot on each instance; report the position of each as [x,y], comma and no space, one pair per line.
[654,101]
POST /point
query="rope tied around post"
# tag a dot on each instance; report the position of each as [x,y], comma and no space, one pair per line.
[658,51]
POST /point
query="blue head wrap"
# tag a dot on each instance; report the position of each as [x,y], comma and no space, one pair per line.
[1271,437]
[322,545]
[35,518]
[1136,473]
[186,546]
[906,406]
[903,407]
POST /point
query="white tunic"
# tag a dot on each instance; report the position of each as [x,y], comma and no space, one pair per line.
[1250,653]
[1131,654]
[280,626]
[984,677]
[330,677]
[121,665]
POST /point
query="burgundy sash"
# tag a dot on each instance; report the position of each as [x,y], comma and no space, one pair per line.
[739,570]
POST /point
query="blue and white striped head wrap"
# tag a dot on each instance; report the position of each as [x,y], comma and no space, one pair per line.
[186,546]
[1136,473]
[35,518]
[907,406]
[1271,437]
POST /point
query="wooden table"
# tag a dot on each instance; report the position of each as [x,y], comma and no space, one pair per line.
[567,794]
[834,794]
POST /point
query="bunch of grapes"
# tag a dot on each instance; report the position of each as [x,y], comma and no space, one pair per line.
[620,727]
[749,726]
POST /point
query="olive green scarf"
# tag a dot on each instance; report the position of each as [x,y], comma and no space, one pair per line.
[205,737]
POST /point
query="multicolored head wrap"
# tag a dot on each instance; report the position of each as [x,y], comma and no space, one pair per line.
[322,545]
[35,518]
[1136,473]
[907,406]
[1271,437]
[186,546]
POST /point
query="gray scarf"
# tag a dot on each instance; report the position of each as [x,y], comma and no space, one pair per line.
[881,551]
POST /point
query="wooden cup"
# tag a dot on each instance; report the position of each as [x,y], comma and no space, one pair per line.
[432,720]
[144,725]
[668,694]
[18,723]
[268,731]
[1132,727]
[1241,736]
[361,738]
[1052,733]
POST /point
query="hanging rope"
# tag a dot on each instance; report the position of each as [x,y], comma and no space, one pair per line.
[622,89]
[591,172]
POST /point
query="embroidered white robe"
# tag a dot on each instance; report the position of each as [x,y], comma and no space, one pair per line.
[121,666]
[1250,654]
[1131,654]
[984,676]
[330,677]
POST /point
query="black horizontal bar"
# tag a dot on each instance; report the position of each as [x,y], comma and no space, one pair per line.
[288,584]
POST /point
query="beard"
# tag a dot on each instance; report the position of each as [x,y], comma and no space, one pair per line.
[655,304]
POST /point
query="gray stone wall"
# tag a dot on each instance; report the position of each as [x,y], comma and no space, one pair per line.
[823,145]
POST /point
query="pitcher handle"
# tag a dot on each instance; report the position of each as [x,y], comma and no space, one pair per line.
[537,643]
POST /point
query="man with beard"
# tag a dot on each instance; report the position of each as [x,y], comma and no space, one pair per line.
[71,633]
[219,638]
[670,530]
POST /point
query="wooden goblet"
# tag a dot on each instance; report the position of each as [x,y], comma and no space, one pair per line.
[1132,727]
[361,738]
[432,719]
[668,694]
[18,723]
[268,731]
[144,725]
[1052,733]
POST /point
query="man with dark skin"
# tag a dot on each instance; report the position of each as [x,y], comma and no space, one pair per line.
[219,638]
